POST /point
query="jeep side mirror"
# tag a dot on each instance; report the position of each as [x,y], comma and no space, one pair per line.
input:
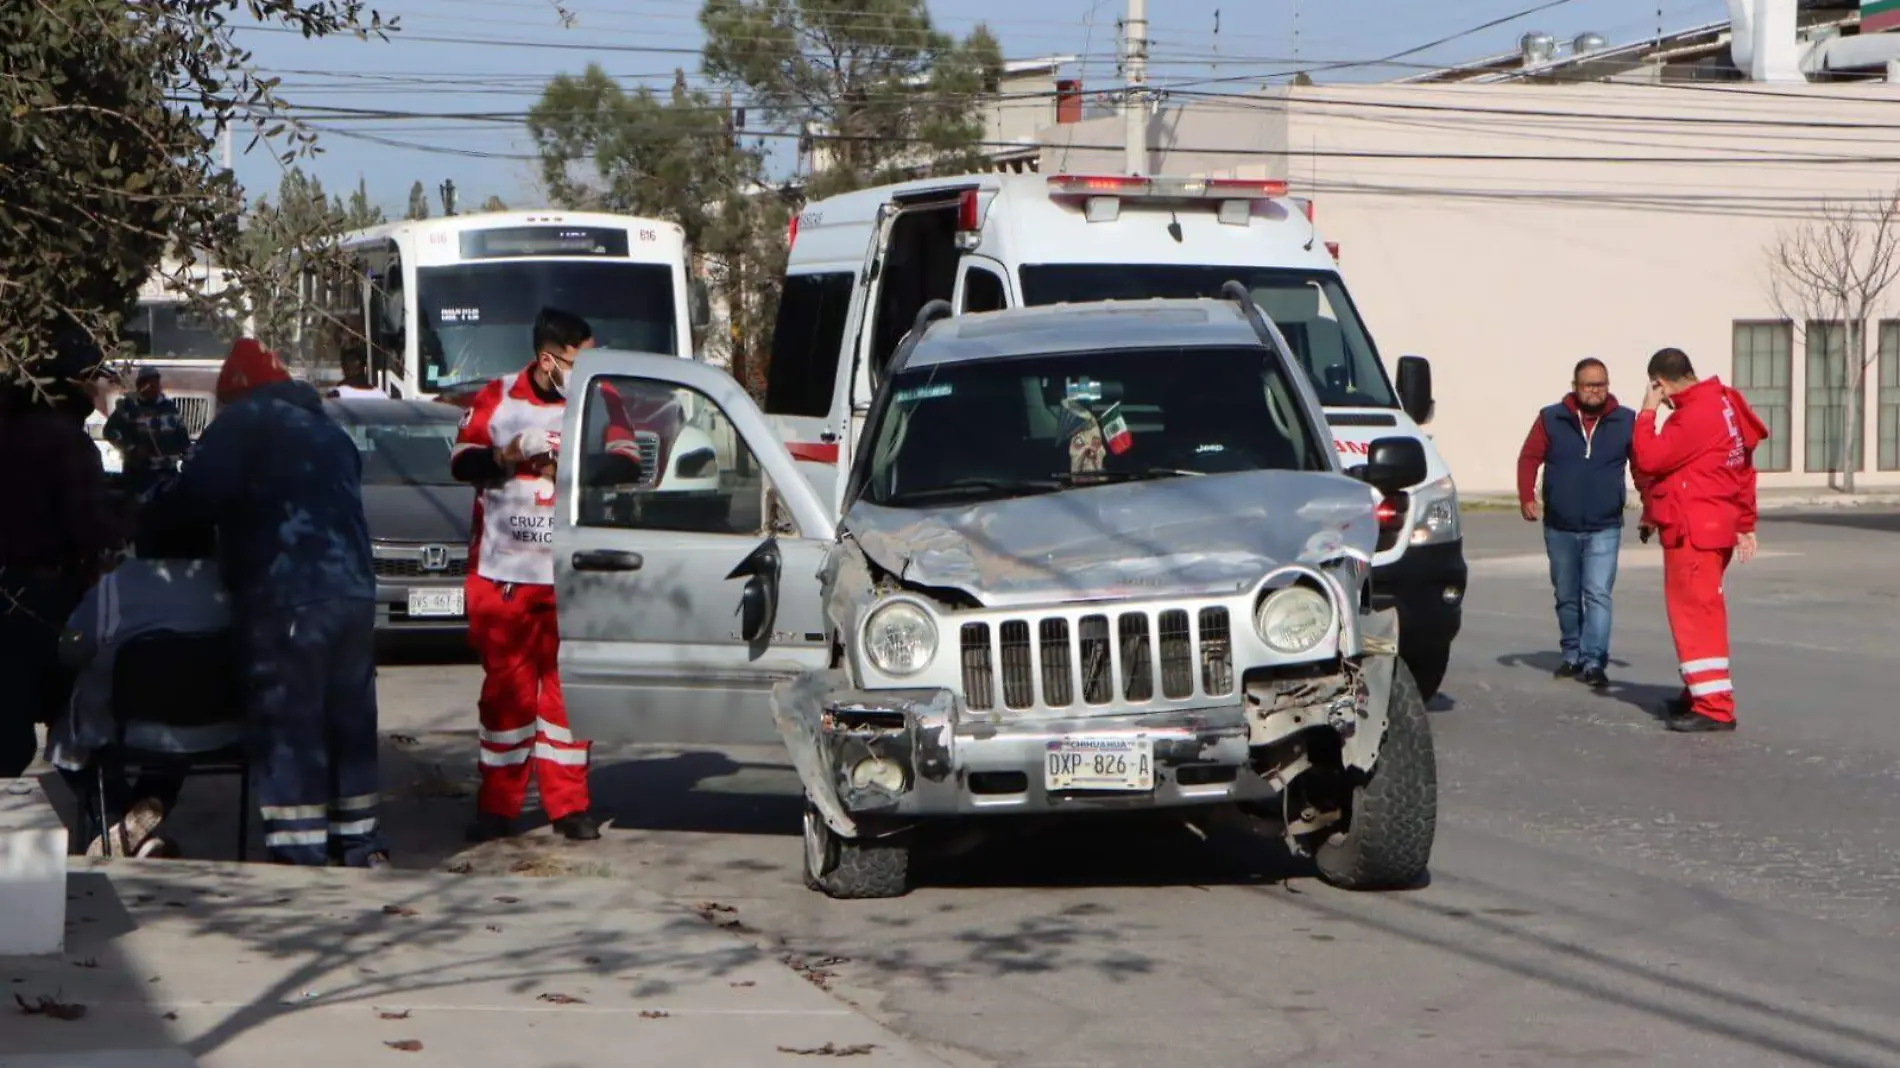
[1394,465]
[1415,388]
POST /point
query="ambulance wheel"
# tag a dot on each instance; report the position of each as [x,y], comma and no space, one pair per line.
[854,868]
[1429,660]
[1393,815]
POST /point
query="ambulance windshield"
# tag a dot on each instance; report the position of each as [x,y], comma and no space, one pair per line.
[1310,307]
[994,429]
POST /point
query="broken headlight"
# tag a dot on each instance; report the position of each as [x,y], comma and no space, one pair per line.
[900,638]
[1294,620]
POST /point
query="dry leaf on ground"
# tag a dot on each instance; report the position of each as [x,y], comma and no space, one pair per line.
[399,910]
[829,1049]
[387,1015]
[560,999]
[406,1045]
[50,1006]
[654,1014]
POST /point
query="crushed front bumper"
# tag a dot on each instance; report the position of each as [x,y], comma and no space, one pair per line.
[928,756]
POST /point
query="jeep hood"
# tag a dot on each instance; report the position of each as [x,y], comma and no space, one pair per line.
[1191,536]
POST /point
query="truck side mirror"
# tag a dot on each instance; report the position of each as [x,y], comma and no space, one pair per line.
[1394,465]
[1415,388]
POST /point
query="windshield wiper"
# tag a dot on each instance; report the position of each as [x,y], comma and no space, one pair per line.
[977,486]
[1146,474]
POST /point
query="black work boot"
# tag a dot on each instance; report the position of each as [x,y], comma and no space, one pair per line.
[1566,670]
[488,828]
[1595,678]
[578,827]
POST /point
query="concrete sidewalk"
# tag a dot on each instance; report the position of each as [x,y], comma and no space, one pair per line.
[180,963]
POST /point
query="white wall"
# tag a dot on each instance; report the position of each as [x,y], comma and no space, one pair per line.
[1506,272]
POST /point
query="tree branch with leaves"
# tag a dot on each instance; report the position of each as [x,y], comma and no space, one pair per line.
[108,162]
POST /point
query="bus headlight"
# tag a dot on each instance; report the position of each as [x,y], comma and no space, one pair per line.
[1294,620]
[1435,505]
[900,639]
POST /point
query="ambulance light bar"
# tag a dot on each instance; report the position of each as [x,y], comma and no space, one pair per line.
[1142,188]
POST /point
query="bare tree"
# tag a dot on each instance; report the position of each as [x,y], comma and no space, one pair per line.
[1840,267]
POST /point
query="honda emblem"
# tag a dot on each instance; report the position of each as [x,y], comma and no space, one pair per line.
[435,558]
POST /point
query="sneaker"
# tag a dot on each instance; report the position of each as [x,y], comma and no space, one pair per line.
[1697,723]
[1595,678]
[1566,670]
[579,827]
[488,828]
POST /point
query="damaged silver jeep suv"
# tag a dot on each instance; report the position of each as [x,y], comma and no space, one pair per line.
[1090,557]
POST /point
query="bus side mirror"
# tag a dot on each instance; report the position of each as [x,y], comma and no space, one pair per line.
[701,310]
[1415,388]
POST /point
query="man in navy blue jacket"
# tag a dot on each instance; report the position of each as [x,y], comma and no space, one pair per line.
[1583,445]
[284,485]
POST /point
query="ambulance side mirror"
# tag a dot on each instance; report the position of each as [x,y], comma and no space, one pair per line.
[1415,388]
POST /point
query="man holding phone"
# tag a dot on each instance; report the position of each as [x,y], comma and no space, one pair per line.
[509,447]
[1702,503]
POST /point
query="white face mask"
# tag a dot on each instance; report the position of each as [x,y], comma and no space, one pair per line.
[557,379]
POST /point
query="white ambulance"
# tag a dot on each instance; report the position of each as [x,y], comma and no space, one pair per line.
[863,264]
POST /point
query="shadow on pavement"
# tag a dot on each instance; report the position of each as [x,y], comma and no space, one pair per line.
[1547,662]
[403,650]
[662,794]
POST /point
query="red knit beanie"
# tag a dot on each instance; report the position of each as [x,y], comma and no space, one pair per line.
[248,366]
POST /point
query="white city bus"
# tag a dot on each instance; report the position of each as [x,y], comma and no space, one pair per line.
[444,305]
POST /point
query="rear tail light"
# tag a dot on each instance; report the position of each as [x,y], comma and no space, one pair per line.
[969,218]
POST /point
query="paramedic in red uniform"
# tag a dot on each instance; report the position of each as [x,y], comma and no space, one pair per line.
[1702,502]
[508,447]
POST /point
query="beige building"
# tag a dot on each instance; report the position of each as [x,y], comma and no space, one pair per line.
[1508,230]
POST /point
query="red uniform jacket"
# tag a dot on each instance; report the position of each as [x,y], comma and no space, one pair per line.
[1703,464]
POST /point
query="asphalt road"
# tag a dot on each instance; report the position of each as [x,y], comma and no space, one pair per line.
[1603,892]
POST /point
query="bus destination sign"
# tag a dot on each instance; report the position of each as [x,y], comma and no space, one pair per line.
[543,241]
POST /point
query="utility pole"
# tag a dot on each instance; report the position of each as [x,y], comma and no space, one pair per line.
[1135,72]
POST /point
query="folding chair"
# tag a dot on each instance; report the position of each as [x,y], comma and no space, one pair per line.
[169,679]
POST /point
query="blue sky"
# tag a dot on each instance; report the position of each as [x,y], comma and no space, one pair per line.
[525,43]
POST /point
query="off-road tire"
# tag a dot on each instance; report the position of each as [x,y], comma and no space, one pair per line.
[1388,841]
[1429,659]
[854,868]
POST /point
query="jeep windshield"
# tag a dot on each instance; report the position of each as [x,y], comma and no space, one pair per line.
[995,429]
[1310,307]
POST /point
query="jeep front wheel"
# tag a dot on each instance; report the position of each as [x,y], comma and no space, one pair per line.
[1393,819]
[853,868]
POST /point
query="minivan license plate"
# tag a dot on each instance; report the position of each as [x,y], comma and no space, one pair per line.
[1083,763]
[435,604]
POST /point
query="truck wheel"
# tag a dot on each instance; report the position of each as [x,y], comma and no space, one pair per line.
[1387,844]
[1429,661]
[849,868]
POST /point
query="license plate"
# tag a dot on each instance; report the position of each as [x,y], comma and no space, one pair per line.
[1100,764]
[435,604]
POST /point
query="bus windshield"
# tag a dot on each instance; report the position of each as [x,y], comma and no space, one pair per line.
[1311,309]
[477,320]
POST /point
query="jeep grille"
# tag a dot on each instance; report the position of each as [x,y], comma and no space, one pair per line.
[1099,658]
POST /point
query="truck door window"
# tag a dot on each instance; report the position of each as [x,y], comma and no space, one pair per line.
[694,473]
[812,311]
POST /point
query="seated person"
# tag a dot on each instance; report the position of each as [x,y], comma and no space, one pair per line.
[171,584]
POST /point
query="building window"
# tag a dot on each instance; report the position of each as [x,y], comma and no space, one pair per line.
[1888,397]
[1828,389]
[1764,363]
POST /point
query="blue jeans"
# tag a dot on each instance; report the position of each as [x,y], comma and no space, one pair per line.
[1582,571]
